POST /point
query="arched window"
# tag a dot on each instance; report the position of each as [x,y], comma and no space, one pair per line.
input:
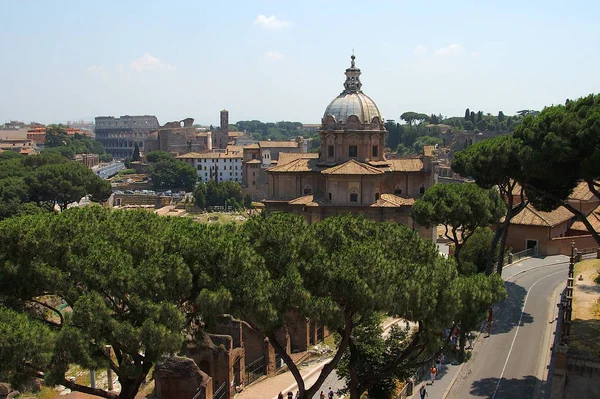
[398,190]
[307,190]
[377,196]
[422,189]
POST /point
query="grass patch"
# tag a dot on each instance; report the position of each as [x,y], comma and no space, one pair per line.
[585,328]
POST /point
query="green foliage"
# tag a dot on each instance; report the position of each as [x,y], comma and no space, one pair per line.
[423,141]
[474,295]
[414,117]
[460,208]
[38,182]
[214,193]
[58,140]
[132,280]
[279,131]
[374,353]
[155,156]
[167,172]
[474,254]
[127,172]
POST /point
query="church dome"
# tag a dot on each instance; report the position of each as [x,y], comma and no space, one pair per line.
[352,102]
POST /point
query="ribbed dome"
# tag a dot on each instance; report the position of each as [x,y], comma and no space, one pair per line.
[352,103]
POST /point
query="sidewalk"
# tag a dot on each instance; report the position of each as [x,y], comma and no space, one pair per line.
[268,388]
[445,379]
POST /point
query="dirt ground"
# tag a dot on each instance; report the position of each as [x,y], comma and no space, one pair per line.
[586,317]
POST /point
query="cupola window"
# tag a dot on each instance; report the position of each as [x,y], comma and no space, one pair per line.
[330,151]
[375,151]
[353,151]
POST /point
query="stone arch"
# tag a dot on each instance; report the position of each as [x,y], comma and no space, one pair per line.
[353,195]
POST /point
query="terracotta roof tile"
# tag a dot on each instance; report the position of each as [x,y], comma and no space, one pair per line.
[209,155]
[253,161]
[286,157]
[593,218]
[582,192]
[297,165]
[353,167]
[406,165]
[253,146]
[391,201]
[532,217]
[280,144]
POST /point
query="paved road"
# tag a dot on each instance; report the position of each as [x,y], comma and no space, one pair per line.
[512,362]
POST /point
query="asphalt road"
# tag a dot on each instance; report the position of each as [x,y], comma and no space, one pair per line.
[512,362]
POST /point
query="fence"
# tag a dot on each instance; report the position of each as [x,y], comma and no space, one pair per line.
[409,387]
[221,392]
[588,253]
[517,256]
[255,370]
[278,361]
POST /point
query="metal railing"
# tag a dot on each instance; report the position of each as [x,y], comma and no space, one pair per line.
[255,370]
[221,391]
[588,253]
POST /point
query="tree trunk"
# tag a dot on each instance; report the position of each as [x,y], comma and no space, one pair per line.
[489,269]
[131,386]
[353,388]
[502,249]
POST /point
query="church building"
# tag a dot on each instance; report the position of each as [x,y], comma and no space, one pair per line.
[351,174]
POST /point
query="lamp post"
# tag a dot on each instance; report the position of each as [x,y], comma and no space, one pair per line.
[569,296]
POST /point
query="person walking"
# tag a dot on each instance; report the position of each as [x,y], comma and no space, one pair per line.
[490,320]
[322,395]
[330,394]
[280,396]
[297,395]
[423,391]
[290,395]
[433,372]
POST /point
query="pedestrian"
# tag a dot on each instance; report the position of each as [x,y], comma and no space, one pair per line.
[442,359]
[470,337]
[490,320]
[322,395]
[290,395]
[438,363]
[280,396]
[433,372]
[330,394]
[297,394]
[423,391]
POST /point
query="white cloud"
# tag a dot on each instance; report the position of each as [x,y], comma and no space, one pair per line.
[149,63]
[271,22]
[274,56]
[420,49]
[95,70]
[451,49]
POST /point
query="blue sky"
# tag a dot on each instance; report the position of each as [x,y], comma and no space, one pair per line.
[284,60]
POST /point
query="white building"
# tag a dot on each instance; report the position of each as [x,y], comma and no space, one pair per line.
[217,165]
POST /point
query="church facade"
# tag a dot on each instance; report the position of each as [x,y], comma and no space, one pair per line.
[351,174]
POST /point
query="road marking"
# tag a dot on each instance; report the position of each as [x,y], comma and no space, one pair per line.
[517,332]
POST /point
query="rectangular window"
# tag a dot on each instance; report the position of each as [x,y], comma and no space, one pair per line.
[375,151]
[353,197]
[330,151]
[353,151]
[329,196]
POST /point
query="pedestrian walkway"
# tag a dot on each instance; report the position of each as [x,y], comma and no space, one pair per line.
[268,388]
[442,383]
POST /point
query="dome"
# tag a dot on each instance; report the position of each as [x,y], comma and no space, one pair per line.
[348,104]
[352,102]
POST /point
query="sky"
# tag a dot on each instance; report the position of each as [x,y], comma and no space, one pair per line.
[276,60]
